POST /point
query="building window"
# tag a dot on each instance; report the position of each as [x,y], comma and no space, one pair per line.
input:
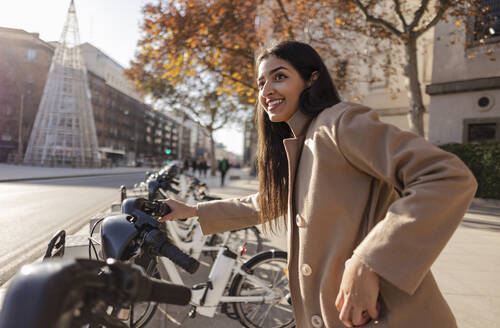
[484,26]
[482,130]
[30,55]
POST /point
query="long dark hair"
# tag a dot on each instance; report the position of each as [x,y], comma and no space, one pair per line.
[271,157]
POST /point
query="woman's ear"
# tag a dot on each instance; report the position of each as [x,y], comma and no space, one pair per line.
[313,78]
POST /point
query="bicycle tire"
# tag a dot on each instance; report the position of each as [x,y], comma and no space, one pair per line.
[269,266]
[144,311]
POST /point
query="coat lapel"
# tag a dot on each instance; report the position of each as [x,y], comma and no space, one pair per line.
[292,148]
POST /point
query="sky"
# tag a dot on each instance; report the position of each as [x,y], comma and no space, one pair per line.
[110,25]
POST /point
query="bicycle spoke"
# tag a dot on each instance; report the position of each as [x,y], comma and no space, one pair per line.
[255,311]
[264,316]
[268,279]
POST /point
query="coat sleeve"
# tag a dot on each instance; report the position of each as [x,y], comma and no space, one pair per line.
[228,214]
[436,189]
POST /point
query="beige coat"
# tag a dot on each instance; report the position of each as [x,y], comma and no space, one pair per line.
[365,187]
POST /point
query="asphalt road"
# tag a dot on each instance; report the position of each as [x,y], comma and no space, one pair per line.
[32,211]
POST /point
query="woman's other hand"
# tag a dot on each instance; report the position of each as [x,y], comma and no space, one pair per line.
[179,210]
[358,293]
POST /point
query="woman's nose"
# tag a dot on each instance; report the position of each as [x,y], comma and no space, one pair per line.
[267,89]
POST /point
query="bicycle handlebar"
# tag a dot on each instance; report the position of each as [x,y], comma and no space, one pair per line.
[163,292]
[42,294]
[161,245]
[143,224]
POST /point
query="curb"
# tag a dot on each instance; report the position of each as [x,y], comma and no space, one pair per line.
[66,176]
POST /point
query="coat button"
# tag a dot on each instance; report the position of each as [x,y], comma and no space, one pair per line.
[316,321]
[299,220]
[306,269]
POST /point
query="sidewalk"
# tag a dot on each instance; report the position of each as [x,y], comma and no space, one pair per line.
[13,173]
[467,271]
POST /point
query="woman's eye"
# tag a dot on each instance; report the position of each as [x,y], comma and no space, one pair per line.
[279,76]
[260,84]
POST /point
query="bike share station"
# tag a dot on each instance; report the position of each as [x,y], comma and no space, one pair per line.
[238,279]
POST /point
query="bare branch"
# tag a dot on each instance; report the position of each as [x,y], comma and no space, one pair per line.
[378,21]
[419,14]
[400,14]
[290,32]
[222,124]
[445,4]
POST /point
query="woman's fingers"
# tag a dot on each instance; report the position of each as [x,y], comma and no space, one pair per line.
[339,302]
[345,313]
[358,292]
[359,316]
[352,315]
[179,210]
[373,311]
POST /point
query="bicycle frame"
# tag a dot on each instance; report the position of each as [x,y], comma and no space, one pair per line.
[197,244]
[206,296]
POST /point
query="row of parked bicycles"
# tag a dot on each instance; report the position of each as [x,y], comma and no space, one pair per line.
[135,263]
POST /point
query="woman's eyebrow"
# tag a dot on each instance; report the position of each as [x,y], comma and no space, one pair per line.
[272,71]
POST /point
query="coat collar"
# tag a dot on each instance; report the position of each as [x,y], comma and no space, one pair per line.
[298,123]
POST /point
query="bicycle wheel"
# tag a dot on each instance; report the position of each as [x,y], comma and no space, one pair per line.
[269,267]
[249,236]
[144,311]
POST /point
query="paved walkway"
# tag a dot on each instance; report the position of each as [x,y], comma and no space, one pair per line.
[12,173]
[467,271]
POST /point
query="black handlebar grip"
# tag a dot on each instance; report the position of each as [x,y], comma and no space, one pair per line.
[180,258]
[163,292]
[172,189]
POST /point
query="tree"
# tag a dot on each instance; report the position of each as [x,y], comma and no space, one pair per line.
[198,99]
[183,37]
[199,54]
[352,22]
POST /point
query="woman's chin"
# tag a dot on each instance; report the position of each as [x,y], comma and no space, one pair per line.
[276,118]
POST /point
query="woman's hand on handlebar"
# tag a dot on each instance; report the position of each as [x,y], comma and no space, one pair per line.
[179,210]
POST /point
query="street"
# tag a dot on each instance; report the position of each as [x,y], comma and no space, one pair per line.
[466,271]
[33,211]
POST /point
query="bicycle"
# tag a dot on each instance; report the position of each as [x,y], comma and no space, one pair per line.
[187,233]
[258,288]
[78,293]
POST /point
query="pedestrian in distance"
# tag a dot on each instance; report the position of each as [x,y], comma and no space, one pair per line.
[223,168]
[368,207]
[185,166]
[204,168]
[194,166]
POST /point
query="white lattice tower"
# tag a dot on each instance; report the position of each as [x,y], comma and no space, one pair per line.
[64,129]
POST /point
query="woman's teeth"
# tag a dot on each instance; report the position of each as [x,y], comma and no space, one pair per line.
[274,103]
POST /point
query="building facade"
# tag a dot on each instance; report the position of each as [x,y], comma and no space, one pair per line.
[127,128]
[24,65]
[367,71]
[465,89]
[108,69]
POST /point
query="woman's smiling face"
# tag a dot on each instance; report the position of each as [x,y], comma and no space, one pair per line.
[280,86]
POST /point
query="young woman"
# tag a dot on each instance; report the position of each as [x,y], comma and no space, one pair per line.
[368,207]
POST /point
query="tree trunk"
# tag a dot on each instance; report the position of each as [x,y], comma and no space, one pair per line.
[213,166]
[417,109]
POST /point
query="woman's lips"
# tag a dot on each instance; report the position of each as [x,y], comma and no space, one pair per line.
[272,105]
